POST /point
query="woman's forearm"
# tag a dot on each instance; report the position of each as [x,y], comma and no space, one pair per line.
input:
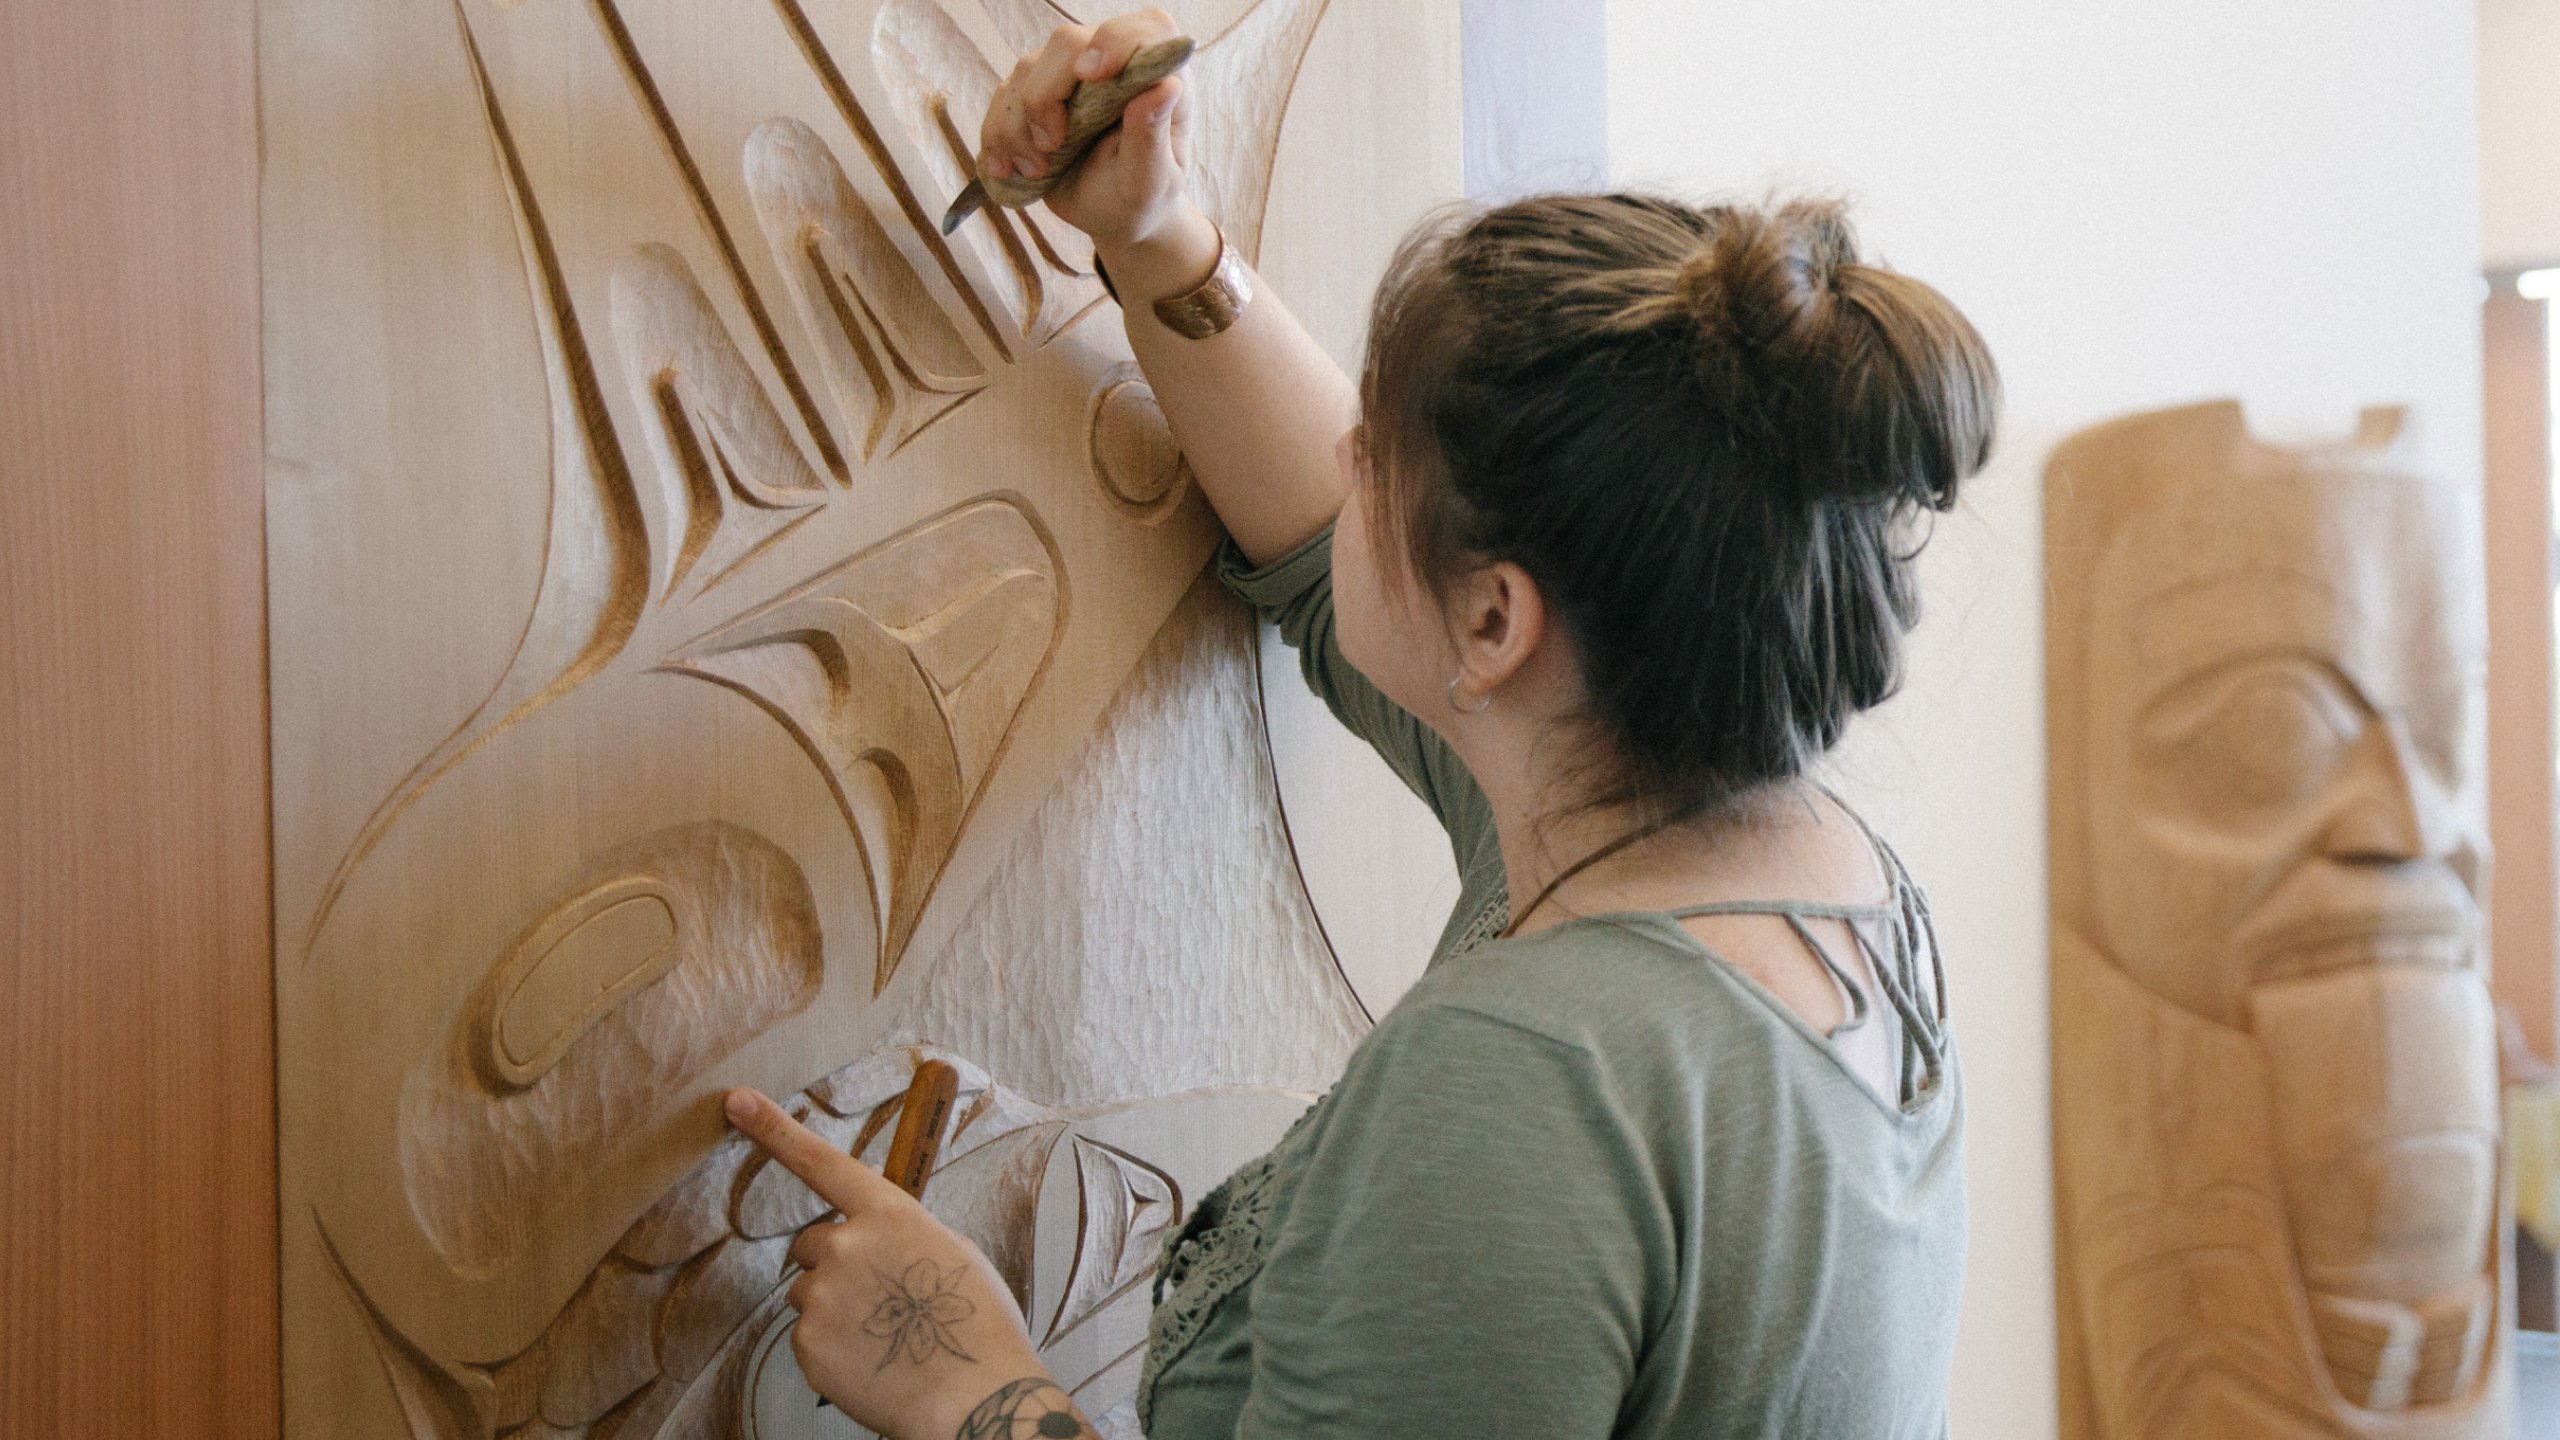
[1256,408]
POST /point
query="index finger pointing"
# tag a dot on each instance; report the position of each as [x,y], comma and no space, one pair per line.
[838,1178]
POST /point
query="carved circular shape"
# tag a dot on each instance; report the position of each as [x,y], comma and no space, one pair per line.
[1131,447]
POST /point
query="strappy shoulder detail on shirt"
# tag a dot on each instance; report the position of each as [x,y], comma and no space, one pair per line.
[1895,964]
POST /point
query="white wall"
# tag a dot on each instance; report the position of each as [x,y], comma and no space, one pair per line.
[2519,133]
[2139,206]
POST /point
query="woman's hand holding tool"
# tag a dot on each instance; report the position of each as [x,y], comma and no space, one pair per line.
[904,1325]
[1092,108]
[1255,404]
[1129,190]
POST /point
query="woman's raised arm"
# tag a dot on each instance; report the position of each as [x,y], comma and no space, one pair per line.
[1258,407]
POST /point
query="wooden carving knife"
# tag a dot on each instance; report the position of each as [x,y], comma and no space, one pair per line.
[1093,107]
[917,1142]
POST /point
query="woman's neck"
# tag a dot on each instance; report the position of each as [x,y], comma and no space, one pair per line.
[1786,840]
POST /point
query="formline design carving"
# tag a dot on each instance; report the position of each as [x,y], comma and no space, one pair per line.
[2275,1106]
[733,482]
[730,467]
[901,674]
[1125,1208]
[595,575]
[942,84]
[655,962]
[802,671]
[674,1331]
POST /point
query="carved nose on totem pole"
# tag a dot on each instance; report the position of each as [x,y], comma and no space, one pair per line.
[2394,810]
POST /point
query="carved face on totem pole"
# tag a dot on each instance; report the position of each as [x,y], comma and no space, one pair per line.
[2269,850]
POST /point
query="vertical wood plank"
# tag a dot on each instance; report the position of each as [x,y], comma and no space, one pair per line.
[2515,395]
[137,1261]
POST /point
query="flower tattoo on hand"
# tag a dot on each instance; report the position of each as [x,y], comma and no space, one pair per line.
[917,1314]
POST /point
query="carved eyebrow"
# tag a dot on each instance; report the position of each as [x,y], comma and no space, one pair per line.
[2178,709]
[2232,615]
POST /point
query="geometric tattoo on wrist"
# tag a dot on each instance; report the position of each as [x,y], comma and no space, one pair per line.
[1031,1408]
[917,1315]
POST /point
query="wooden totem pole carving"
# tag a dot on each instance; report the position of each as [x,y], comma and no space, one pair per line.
[2275,1104]
[726,633]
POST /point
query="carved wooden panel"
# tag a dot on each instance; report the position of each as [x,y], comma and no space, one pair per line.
[726,633]
[2275,1101]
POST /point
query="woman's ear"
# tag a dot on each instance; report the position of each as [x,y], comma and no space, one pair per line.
[1501,620]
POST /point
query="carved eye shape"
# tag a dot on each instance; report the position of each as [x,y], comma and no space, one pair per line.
[2268,736]
[576,968]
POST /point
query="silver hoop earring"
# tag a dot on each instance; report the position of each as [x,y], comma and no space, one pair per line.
[1481,707]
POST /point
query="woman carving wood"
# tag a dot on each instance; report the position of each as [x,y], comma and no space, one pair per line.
[1602,552]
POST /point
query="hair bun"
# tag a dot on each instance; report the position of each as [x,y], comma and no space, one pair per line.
[1849,382]
[1764,278]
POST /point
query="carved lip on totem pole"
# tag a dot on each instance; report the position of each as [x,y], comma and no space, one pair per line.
[592,903]
[2276,1131]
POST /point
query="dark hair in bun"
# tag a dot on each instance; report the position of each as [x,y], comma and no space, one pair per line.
[1703,432]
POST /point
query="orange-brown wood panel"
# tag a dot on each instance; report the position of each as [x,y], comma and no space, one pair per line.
[2520,649]
[137,1225]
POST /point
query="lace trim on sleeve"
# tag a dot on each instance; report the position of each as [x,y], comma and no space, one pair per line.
[1214,1253]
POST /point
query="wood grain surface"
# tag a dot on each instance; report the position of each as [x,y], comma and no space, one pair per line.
[137,1267]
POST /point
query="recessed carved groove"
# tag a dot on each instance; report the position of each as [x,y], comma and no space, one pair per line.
[595,572]
[1241,80]
[1124,1206]
[1026,273]
[887,349]
[490,1136]
[823,65]
[1025,25]
[732,479]
[600,1351]
[644,88]
[439,1401]
[1039,233]
[899,674]
[933,69]
[670,1335]
[712,1297]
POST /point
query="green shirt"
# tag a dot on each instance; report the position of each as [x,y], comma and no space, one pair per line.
[1590,1181]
